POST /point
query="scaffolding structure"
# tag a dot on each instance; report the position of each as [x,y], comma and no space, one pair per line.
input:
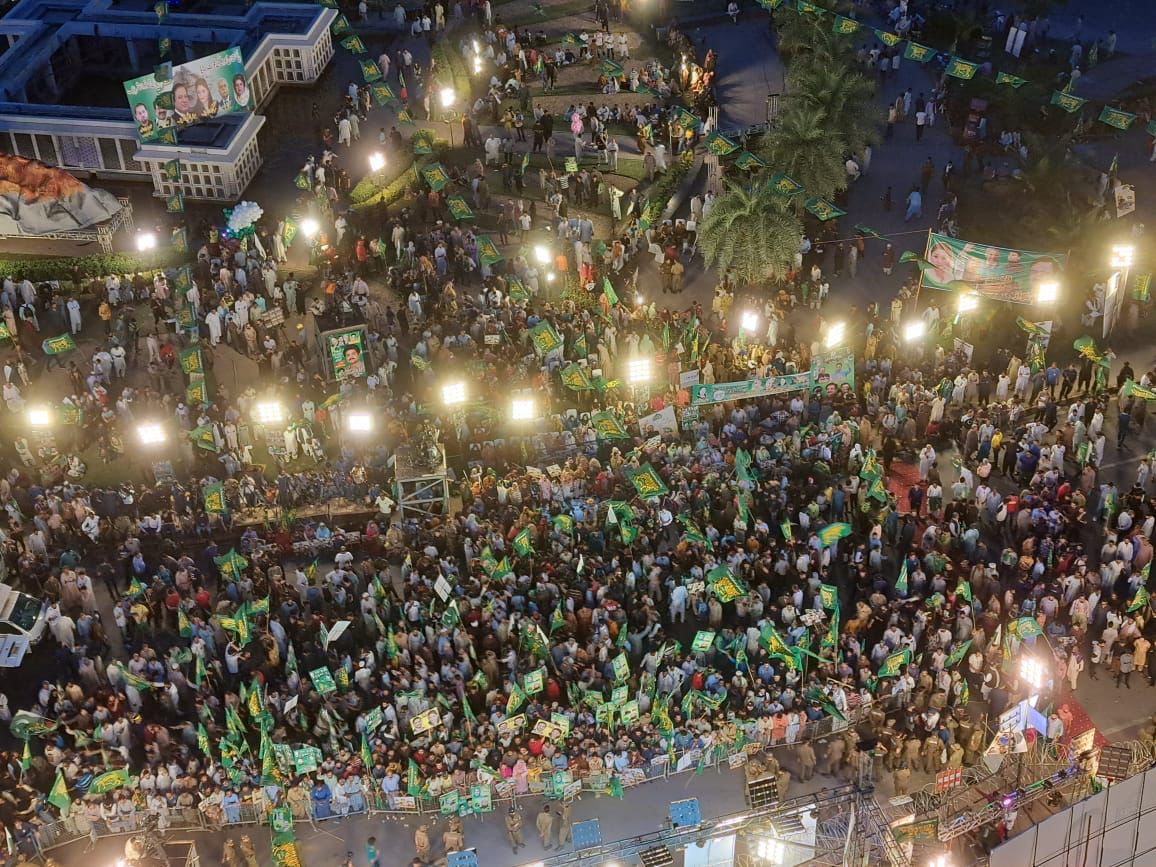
[422,487]
[101,233]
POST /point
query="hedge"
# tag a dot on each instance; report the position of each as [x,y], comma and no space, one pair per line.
[450,60]
[97,265]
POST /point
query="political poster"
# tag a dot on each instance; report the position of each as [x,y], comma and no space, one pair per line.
[195,91]
[346,351]
[748,388]
[998,273]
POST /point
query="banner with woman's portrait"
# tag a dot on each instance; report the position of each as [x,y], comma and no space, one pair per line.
[993,272]
[180,96]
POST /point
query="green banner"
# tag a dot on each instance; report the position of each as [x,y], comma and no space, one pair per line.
[354,44]
[346,352]
[960,68]
[459,209]
[781,185]
[382,93]
[1014,80]
[544,338]
[488,251]
[435,175]
[607,426]
[199,90]
[1115,117]
[994,272]
[845,26]
[1067,102]
[370,71]
[918,53]
[719,145]
[748,161]
[823,209]
[58,345]
[749,388]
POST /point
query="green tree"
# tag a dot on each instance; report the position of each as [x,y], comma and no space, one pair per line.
[808,147]
[752,232]
[843,95]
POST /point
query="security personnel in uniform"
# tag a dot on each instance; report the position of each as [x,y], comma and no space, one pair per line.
[514,829]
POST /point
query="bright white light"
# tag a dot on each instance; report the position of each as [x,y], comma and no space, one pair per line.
[1047,293]
[359,422]
[1032,672]
[151,434]
[376,162]
[914,330]
[309,227]
[1122,255]
[835,334]
[447,97]
[639,300]
[39,417]
[638,371]
[550,277]
[542,254]
[771,850]
[939,861]
[477,65]
[749,321]
[270,412]
[146,241]
[968,302]
[453,393]
[522,408]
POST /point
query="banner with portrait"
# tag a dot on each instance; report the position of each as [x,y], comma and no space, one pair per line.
[188,94]
[998,273]
[346,353]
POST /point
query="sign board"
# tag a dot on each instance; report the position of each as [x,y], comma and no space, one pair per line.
[688,418]
[1083,742]
[688,378]
[1125,200]
[492,339]
[737,760]
[188,94]
[273,317]
[926,831]
[661,422]
[442,588]
[346,349]
[423,722]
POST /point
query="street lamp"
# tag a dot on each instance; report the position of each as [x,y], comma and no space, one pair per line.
[270,412]
[359,422]
[749,321]
[638,371]
[376,161]
[146,241]
[454,393]
[835,334]
[447,99]
[914,330]
[39,417]
[522,409]
[968,302]
[542,254]
[1048,293]
[309,227]
[151,434]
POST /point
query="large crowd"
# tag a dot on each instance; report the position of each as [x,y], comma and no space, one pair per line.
[614,591]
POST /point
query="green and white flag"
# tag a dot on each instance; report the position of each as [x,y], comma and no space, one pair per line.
[957,67]
[647,482]
[523,545]
[894,664]
[918,53]
[544,338]
[829,596]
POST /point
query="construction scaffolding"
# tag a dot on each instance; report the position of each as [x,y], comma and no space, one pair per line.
[422,486]
[101,233]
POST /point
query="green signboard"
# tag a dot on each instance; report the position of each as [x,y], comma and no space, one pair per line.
[195,91]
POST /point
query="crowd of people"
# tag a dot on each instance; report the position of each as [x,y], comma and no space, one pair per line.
[640,579]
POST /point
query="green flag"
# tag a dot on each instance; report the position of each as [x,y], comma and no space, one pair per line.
[523,546]
[576,378]
[647,482]
[413,784]
[829,596]
[957,67]
[901,581]
[608,291]
[918,53]
[109,781]
[832,533]
[894,664]
[1140,600]
[544,338]
[1012,80]
[607,426]
[958,654]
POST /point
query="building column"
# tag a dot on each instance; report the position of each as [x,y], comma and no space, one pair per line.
[189,52]
[133,54]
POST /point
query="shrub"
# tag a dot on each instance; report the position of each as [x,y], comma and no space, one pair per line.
[98,265]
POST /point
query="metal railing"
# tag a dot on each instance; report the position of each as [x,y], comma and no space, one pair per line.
[52,835]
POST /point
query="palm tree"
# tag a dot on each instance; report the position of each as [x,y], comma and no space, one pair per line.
[755,234]
[845,96]
[808,148]
[797,35]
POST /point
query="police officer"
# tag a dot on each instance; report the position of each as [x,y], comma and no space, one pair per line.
[514,829]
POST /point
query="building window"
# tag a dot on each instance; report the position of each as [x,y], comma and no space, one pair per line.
[110,154]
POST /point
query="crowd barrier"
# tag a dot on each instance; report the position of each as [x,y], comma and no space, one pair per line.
[52,835]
